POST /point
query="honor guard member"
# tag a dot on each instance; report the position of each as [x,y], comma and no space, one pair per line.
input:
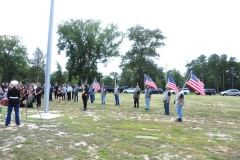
[91,92]
[166,100]
[116,94]
[148,96]
[136,97]
[179,102]
[103,94]
[13,96]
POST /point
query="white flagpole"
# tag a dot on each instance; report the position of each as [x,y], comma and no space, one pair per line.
[187,79]
[48,61]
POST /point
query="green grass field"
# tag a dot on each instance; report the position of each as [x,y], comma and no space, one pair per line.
[210,130]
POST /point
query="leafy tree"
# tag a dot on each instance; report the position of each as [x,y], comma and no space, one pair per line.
[13,58]
[86,43]
[216,71]
[107,80]
[37,66]
[176,76]
[139,60]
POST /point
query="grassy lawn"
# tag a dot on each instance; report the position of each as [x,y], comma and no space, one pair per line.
[210,130]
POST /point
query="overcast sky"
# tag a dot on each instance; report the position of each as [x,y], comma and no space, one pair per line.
[192,27]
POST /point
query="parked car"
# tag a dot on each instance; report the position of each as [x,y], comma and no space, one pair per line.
[230,92]
[109,89]
[154,91]
[186,90]
[208,92]
[172,91]
[129,90]
[122,88]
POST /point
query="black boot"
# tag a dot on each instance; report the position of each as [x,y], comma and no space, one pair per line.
[178,120]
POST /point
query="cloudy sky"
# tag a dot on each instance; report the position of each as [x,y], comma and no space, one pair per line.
[192,27]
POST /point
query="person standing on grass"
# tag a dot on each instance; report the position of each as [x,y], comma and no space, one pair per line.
[64,90]
[148,96]
[50,92]
[103,95]
[166,100]
[13,96]
[76,89]
[69,91]
[55,89]
[136,97]
[59,94]
[179,102]
[85,97]
[38,94]
[91,92]
[116,94]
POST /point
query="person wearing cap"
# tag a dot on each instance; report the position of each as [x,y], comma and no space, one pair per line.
[148,96]
[179,102]
[13,96]
[136,97]
[166,100]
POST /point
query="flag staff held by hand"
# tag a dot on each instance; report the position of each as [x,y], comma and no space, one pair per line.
[187,79]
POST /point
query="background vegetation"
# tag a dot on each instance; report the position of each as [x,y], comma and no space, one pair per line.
[87,43]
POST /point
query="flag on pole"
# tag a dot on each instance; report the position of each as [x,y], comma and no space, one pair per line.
[96,85]
[149,82]
[172,85]
[196,84]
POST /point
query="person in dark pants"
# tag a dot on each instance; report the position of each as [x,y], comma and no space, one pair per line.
[38,94]
[13,96]
[136,97]
[55,90]
[50,92]
[69,91]
[166,100]
[85,97]
[73,86]
[43,87]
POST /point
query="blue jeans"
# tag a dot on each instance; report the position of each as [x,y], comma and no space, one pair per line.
[147,103]
[75,97]
[92,98]
[117,99]
[179,111]
[103,99]
[166,107]
[9,112]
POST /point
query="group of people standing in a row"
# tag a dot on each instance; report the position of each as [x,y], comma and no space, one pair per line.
[179,101]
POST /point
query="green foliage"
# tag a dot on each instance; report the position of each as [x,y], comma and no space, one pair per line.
[216,71]
[37,69]
[13,59]
[139,60]
[86,43]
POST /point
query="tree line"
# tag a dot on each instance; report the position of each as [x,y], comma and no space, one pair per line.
[87,43]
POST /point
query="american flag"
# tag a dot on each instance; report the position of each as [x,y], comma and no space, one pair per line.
[96,85]
[196,84]
[149,82]
[171,84]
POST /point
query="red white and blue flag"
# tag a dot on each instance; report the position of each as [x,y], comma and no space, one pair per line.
[149,82]
[96,85]
[196,84]
[171,84]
